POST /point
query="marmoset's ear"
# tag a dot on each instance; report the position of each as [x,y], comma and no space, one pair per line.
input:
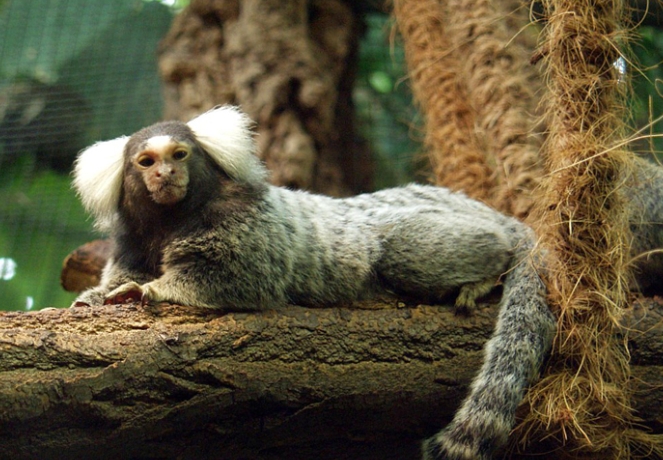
[98,179]
[225,134]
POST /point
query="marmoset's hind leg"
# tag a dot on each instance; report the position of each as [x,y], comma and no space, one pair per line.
[430,254]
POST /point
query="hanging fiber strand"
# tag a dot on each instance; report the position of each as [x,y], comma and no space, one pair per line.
[470,76]
[501,87]
[584,401]
[456,155]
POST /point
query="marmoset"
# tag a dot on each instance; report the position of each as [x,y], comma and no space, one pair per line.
[195,222]
[643,191]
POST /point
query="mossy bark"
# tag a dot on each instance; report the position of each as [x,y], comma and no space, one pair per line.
[298,383]
[290,65]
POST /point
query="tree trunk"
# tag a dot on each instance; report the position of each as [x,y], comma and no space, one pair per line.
[298,383]
[290,65]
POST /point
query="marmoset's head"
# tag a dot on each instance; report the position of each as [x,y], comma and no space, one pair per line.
[164,161]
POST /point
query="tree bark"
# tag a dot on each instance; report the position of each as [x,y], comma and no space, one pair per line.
[168,381]
[290,65]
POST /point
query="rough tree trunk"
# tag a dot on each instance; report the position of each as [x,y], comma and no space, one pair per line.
[180,382]
[290,65]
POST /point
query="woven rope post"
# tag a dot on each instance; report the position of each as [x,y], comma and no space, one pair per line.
[584,399]
[471,79]
[456,155]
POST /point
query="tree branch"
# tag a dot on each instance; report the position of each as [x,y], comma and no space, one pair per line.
[169,381]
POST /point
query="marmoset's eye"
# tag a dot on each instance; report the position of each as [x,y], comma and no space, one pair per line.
[145,161]
[180,155]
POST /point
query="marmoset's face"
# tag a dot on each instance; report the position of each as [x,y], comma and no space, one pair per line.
[163,163]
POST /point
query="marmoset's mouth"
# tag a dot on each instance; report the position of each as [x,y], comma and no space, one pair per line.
[168,194]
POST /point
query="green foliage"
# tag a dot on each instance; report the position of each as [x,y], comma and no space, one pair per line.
[384,104]
[176,5]
[42,221]
[103,52]
[647,100]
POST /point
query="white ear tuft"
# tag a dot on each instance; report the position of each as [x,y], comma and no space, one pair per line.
[226,135]
[98,179]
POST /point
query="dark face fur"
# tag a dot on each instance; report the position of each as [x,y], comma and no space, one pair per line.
[169,178]
[167,175]
[157,162]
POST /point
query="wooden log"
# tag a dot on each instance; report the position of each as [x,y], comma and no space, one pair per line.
[366,381]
